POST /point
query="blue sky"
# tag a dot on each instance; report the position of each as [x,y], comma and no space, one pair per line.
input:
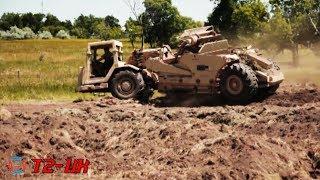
[70,9]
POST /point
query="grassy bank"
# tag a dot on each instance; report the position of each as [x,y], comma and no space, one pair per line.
[42,69]
[47,69]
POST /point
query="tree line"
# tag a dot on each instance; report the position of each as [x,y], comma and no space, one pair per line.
[160,23]
[278,24]
[82,27]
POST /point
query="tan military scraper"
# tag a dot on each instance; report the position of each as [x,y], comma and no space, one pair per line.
[203,64]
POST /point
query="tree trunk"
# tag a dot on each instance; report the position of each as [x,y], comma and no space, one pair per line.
[142,40]
[295,55]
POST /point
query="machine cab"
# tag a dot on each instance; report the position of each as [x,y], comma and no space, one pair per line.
[102,58]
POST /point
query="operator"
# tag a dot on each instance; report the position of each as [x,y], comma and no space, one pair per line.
[105,63]
[108,59]
[107,56]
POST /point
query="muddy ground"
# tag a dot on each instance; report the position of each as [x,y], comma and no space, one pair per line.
[190,139]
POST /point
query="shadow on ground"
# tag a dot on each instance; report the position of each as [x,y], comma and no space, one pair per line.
[188,100]
[282,98]
[191,100]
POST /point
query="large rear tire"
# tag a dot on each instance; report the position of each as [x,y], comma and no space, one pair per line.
[238,83]
[126,84]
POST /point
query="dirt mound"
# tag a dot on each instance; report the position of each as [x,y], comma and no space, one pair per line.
[295,95]
[275,138]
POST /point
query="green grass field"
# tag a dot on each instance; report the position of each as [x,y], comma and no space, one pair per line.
[24,77]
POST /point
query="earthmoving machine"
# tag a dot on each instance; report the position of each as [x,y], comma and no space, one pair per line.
[204,63]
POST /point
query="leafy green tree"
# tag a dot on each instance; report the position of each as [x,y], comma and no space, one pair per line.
[84,26]
[104,32]
[297,24]
[189,23]
[111,21]
[54,25]
[101,31]
[236,18]
[133,30]
[79,32]
[136,10]
[51,20]
[302,15]
[278,31]
[250,17]
[34,21]
[67,24]
[161,21]
[221,17]
[115,33]
[9,20]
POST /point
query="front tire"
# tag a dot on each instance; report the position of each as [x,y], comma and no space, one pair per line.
[238,83]
[126,84]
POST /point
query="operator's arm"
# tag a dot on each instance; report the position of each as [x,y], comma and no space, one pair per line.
[103,57]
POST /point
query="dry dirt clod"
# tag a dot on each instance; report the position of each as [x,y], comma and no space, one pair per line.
[5,114]
[82,127]
[46,120]
[26,145]
[102,105]
[163,133]
[53,141]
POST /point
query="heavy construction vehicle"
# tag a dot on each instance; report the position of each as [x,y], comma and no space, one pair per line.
[203,64]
